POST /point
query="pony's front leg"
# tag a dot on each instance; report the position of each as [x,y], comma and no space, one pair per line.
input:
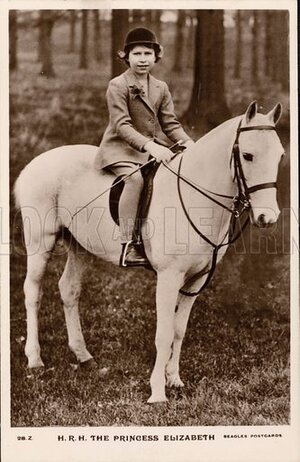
[168,285]
[184,306]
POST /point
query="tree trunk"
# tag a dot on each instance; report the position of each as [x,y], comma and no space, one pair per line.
[218,66]
[72,31]
[148,17]
[119,23]
[137,18]
[208,107]
[46,24]
[238,45]
[156,23]
[84,40]
[190,39]
[276,45]
[268,42]
[254,67]
[40,41]
[97,50]
[179,41]
[13,40]
[284,51]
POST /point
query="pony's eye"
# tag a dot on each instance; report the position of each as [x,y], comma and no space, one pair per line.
[247,156]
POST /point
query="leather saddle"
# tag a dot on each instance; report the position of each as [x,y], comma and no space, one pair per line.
[148,173]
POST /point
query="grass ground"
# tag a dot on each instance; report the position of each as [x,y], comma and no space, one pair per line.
[235,358]
[239,376]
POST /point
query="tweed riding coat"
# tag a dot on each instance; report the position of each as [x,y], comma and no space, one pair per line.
[134,119]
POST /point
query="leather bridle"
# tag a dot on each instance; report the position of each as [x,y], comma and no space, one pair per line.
[243,188]
[241,203]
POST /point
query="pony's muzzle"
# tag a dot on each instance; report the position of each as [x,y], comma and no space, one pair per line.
[264,218]
[261,221]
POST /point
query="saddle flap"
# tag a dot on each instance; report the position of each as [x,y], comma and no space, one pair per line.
[145,199]
[114,198]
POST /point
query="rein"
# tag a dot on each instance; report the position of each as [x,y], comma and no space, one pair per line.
[241,204]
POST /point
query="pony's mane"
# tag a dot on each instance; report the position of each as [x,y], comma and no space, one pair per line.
[258,119]
[223,125]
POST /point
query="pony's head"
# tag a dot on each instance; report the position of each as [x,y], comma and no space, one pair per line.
[260,151]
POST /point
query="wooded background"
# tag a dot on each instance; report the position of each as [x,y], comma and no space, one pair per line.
[249,48]
[235,360]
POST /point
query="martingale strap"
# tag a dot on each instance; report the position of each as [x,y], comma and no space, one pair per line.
[232,237]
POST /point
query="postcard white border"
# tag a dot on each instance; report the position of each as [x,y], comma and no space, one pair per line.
[45,445]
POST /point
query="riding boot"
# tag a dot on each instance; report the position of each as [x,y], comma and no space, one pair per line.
[133,255]
[132,251]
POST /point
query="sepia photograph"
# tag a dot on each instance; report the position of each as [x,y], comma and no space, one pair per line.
[153,301]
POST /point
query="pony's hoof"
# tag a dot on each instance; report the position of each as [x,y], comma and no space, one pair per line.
[89,365]
[175,382]
[35,364]
[35,372]
[157,400]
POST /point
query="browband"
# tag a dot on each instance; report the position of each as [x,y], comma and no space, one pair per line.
[255,127]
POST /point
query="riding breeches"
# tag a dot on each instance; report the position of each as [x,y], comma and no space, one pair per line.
[130,197]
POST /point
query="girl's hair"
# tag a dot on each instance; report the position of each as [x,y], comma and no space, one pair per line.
[158,50]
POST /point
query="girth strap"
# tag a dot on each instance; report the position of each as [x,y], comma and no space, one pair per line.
[197,276]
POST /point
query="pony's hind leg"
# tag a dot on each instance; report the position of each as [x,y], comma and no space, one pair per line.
[184,305]
[36,265]
[70,289]
[40,231]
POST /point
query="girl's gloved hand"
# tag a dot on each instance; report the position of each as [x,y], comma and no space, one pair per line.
[160,153]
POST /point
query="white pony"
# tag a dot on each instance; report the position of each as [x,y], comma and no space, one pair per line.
[180,234]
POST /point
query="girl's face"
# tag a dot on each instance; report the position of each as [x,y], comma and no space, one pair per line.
[141,59]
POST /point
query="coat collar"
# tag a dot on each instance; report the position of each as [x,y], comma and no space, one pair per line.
[153,90]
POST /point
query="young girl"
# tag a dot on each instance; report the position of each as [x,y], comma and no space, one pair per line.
[140,110]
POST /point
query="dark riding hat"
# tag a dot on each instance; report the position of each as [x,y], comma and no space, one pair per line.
[141,36]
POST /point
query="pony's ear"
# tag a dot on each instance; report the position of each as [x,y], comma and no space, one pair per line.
[275,114]
[251,111]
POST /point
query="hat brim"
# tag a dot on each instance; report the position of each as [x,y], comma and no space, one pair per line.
[142,42]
